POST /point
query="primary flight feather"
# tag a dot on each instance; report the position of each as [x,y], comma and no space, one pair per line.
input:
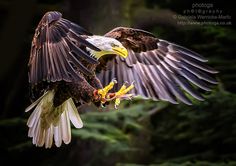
[70,66]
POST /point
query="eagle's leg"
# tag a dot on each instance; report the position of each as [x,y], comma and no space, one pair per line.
[102,93]
[121,94]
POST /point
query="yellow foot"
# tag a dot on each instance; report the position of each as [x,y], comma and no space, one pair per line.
[122,94]
[101,94]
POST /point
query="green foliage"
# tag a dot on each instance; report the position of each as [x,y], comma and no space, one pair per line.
[10,128]
[113,128]
[205,131]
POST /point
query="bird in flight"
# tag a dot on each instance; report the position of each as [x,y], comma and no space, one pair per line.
[70,66]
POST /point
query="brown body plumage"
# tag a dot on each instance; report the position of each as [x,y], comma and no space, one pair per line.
[68,63]
[81,91]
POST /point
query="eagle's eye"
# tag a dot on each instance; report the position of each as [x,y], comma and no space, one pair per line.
[114,45]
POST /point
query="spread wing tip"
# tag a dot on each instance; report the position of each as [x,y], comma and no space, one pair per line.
[57,50]
[162,70]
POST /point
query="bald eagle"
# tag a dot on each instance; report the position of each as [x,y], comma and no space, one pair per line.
[70,66]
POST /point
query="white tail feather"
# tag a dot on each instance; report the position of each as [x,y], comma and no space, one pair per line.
[35,103]
[66,130]
[49,137]
[74,115]
[47,122]
[57,136]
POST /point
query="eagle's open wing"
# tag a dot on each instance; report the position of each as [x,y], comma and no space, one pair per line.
[161,70]
[55,54]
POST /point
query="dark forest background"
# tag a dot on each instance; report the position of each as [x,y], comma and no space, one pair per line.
[140,132]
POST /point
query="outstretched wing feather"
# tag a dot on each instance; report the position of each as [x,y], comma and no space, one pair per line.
[161,70]
[56,54]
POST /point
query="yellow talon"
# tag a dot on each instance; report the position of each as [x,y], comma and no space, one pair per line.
[103,92]
[117,102]
[122,93]
[118,96]
[123,90]
[128,89]
[109,86]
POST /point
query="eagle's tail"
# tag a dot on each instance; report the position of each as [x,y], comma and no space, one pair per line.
[48,122]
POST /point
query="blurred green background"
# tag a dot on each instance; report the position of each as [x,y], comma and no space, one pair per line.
[140,132]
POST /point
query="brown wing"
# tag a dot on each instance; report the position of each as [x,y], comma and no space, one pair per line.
[161,70]
[55,54]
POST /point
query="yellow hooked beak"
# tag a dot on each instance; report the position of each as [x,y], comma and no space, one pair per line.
[120,51]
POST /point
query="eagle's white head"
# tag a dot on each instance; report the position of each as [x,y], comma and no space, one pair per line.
[107,45]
